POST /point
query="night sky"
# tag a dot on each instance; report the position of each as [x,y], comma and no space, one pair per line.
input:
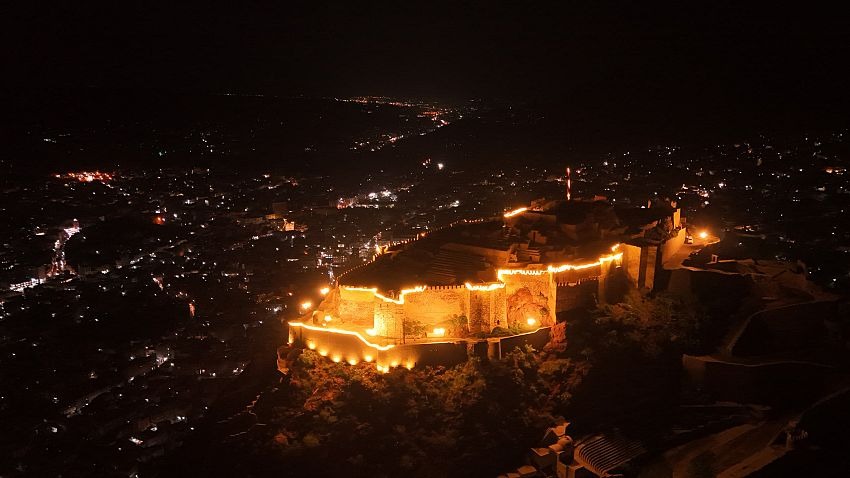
[713,58]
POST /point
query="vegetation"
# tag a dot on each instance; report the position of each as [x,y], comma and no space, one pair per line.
[651,326]
[475,419]
[459,325]
[413,328]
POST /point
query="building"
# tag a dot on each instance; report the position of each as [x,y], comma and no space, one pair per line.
[480,280]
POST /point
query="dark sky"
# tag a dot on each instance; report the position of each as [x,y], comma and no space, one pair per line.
[684,55]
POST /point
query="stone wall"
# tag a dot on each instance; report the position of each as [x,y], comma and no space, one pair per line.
[486,310]
[356,308]
[574,276]
[632,263]
[572,296]
[388,318]
[671,246]
[435,304]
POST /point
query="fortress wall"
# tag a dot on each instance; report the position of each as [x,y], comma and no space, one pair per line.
[575,295]
[435,304]
[486,310]
[388,318]
[709,285]
[770,382]
[497,349]
[632,263]
[607,270]
[530,296]
[356,308]
[783,329]
[573,276]
[650,266]
[334,346]
[671,246]
[409,355]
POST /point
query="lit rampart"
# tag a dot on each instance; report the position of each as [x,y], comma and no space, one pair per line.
[353,346]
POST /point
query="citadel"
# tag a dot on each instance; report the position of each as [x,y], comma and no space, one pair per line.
[478,286]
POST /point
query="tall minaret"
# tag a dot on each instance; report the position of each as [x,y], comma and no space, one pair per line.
[569,185]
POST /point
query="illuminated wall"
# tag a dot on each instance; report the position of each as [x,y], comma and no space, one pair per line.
[671,246]
[388,318]
[355,307]
[486,310]
[521,298]
[436,304]
[353,348]
[529,297]
[356,324]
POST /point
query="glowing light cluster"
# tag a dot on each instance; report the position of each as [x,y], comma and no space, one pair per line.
[87,176]
[485,287]
[570,267]
[516,211]
[496,285]
[561,268]
[374,291]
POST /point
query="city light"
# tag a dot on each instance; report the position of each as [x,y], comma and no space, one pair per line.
[87,176]
[306,305]
[703,235]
